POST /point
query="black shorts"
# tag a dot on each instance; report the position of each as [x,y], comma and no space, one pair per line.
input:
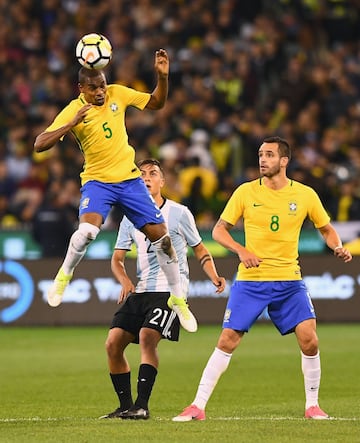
[147,310]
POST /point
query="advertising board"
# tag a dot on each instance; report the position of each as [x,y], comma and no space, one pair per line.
[91,298]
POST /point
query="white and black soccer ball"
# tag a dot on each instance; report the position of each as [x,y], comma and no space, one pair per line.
[93,51]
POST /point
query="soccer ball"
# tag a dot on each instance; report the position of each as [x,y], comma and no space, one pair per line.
[93,51]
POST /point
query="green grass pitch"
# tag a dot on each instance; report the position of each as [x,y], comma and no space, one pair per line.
[54,384]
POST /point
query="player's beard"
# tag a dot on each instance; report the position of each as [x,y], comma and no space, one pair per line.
[271,172]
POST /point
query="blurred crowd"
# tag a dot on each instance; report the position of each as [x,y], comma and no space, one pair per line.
[240,71]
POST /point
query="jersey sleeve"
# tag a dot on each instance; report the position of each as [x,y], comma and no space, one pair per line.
[234,208]
[189,228]
[138,99]
[317,212]
[124,238]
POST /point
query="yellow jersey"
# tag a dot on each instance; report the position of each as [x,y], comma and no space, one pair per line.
[102,135]
[272,225]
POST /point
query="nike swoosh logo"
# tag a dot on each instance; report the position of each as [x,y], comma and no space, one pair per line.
[86,121]
[257,204]
[158,215]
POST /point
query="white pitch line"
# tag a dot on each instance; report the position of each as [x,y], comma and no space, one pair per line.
[50,419]
[284,418]
[38,419]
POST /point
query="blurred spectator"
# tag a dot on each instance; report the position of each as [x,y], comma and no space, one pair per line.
[54,223]
[227,154]
[240,71]
[18,159]
[198,187]
[29,194]
[346,205]
[7,189]
[198,151]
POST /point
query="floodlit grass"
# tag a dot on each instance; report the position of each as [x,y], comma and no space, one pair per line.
[54,385]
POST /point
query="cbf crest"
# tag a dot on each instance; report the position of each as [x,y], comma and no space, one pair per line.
[227,315]
[292,207]
[114,107]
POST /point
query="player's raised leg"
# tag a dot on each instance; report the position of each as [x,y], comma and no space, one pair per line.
[168,262]
[57,289]
[156,231]
[79,241]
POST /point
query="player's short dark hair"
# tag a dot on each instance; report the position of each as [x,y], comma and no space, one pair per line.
[150,161]
[284,147]
[85,73]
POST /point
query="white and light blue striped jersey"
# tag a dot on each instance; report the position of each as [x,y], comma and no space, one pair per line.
[183,232]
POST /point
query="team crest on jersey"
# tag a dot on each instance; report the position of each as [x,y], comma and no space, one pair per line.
[114,107]
[85,203]
[292,207]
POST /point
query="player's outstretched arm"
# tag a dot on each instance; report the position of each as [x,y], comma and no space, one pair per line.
[159,95]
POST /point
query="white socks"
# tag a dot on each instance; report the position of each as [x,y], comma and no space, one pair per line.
[79,242]
[215,367]
[219,362]
[310,365]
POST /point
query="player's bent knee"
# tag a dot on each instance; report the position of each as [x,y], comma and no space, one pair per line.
[90,231]
[310,346]
[84,235]
[310,349]
[166,243]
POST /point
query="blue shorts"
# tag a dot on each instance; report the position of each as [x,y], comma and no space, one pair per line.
[288,304]
[131,196]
